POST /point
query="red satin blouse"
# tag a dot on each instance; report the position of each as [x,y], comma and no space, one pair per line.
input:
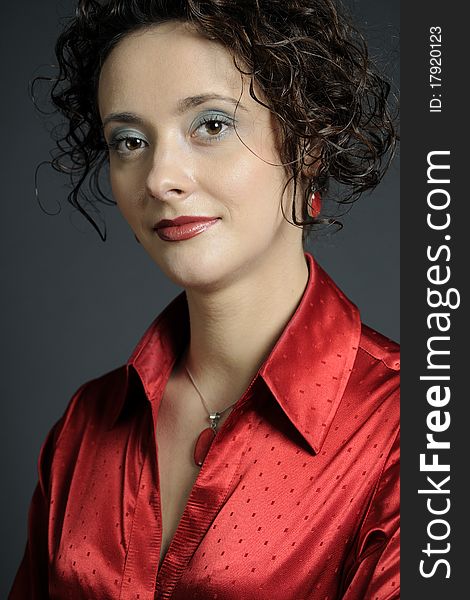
[298,496]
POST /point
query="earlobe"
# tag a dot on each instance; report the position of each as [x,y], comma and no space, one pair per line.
[311,160]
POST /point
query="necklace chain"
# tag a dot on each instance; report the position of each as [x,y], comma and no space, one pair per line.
[213,416]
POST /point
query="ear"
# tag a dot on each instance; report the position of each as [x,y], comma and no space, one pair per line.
[311,161]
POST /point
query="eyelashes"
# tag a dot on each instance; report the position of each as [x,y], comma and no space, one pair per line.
[126,143]
[217,120]
[209,128]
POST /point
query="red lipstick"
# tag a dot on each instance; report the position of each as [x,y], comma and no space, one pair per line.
[183,228]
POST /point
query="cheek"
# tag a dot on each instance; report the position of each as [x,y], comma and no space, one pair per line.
[247,185]
[127,193]
[252,174]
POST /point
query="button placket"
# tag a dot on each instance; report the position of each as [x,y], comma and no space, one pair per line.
[204,503]
[141,566]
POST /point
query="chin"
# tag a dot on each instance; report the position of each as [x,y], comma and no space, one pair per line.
[202,272]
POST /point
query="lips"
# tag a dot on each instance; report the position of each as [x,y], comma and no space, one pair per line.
[183,228]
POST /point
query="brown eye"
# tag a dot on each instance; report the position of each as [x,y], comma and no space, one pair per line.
[127,145]
[133,143]
[214,127]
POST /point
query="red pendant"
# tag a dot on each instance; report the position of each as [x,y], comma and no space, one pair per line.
[204,442]
[314,208]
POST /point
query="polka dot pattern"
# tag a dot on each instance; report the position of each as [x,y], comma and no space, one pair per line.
[297,498]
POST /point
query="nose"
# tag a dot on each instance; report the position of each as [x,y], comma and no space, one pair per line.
[170,175]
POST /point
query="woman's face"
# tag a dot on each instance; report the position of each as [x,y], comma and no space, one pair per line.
[167,101]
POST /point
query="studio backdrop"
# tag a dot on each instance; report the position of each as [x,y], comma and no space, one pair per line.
[73,306]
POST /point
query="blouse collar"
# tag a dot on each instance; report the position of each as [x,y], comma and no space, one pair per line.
[306,371]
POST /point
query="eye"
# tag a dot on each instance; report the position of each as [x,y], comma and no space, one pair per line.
[132,143]
[213,127]
[126,144]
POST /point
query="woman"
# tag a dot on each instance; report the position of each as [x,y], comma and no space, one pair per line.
[249,446]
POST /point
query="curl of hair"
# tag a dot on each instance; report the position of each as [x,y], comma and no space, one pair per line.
[310,63]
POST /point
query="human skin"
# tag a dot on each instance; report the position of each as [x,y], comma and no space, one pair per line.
[245,275]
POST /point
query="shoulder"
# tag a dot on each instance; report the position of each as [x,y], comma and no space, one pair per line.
[85,421]
[95,402]
[377,363]
[379,348]
[373,388]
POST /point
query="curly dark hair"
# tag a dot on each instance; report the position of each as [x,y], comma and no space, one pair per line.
[308,60]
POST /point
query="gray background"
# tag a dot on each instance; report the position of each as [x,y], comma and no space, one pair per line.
[74,307]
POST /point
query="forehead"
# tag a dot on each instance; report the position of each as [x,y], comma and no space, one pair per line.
[164,61]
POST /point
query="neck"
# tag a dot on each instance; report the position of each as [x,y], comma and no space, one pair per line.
[232,330]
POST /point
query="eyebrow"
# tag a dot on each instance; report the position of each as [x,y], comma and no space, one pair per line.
[193,101]
[123,117]
[182,107]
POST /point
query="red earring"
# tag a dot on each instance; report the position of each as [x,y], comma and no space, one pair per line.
[314,206]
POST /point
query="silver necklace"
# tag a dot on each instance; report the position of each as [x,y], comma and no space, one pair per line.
[207,435]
